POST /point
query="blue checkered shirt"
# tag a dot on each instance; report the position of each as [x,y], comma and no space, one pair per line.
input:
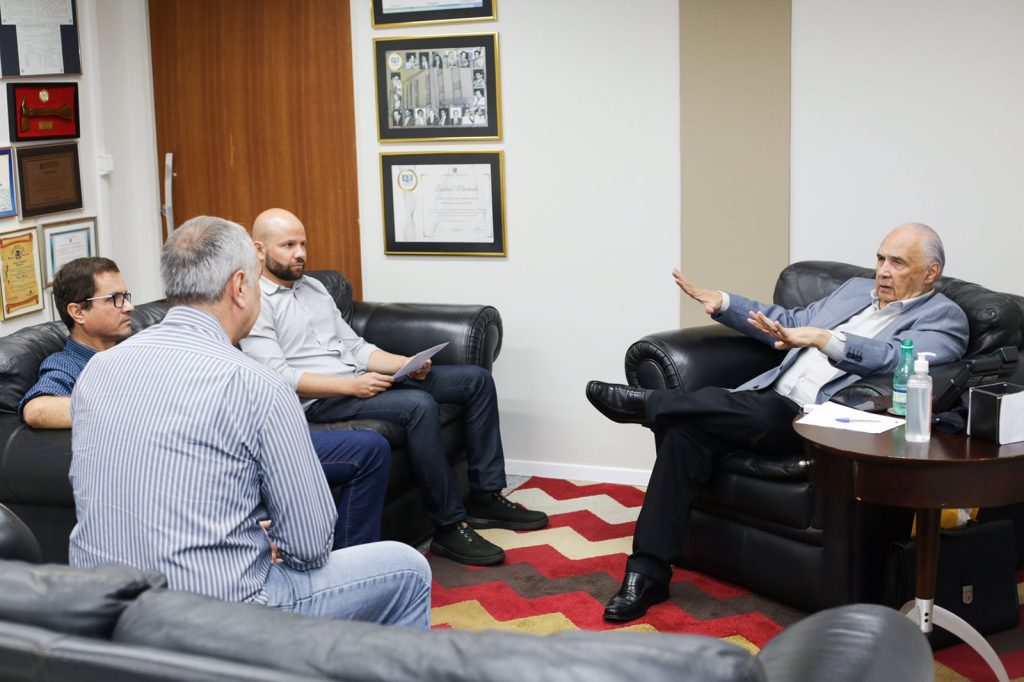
[59,372]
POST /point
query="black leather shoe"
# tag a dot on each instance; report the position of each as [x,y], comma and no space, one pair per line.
[622,404]
[637,594]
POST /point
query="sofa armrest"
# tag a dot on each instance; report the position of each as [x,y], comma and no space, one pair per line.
[474,332]
[689,359]
[34,464]
[862,642]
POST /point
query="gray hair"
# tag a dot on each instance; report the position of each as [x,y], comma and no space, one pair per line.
[201,256]
[931,244]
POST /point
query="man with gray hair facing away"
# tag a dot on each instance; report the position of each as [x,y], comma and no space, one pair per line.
[182,445]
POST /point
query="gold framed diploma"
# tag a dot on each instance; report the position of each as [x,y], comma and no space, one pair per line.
[444,203]
[21,287]
[49,179]
[65,241]
[390,13]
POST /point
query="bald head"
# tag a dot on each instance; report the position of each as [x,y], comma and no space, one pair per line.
[272,221]
[280,239]
[909,260]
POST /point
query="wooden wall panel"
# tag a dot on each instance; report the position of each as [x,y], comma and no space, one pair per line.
[255,100]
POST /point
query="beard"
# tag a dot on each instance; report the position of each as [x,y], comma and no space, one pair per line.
[285,272]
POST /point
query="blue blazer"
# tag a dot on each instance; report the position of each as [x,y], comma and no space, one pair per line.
[935,324]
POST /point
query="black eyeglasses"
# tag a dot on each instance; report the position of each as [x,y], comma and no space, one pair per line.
[118,298]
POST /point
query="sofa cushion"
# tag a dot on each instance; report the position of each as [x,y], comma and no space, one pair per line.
[262,636]
[339,288]
[70,600]
[41,655]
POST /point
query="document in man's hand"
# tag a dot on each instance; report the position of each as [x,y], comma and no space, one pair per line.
[418,360]
[836,416]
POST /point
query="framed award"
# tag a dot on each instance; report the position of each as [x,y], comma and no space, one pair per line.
[8,200]
[444,203]
[438,88]
[388,13]
[65,241]
[21,287]
[49,179]
[42,111]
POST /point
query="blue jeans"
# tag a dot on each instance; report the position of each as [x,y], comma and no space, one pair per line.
[381,582]
[414,405]
[358,462]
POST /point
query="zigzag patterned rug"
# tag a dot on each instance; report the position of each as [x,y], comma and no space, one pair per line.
[559,578]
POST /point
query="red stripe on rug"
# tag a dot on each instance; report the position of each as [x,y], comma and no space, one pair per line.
[505,604]
[625,495]
[966,661]
[591,526]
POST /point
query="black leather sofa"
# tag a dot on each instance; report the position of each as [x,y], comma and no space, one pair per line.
[116,623]
[760,523]
[34,463]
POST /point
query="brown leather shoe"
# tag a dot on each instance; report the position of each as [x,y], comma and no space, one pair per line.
[622,404]
[637,594]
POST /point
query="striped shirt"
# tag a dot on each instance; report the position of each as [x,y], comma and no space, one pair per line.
[59,372]
[181,444]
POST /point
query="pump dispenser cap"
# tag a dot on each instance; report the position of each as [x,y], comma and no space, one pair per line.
[921,364]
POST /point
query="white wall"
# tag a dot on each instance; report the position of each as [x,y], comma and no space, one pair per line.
[910,111]
[117,126]
[590,104]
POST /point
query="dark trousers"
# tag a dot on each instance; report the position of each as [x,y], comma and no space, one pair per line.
[414,405]
[691,431]
[358,462]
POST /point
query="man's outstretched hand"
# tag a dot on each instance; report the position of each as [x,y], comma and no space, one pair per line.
[789,337]
[710,298]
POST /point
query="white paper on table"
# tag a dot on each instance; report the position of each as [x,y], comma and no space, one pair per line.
[418,360]
[828,415]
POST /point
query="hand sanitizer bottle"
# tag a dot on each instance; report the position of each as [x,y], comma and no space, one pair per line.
[900,377]
[919,402]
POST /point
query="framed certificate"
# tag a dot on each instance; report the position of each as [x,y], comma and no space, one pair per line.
[438,88]
[49,179]
[444,203]
[21,287]
[388,13]
[66,241]
[8,202]
[42,111]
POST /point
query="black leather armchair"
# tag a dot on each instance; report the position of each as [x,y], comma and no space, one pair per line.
[34,463]
[759,522]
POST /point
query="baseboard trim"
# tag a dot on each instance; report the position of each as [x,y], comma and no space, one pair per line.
[577,472]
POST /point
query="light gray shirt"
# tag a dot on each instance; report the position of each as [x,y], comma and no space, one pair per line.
[300,330]
[181,446]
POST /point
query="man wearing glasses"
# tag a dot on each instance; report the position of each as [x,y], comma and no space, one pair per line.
[94,303]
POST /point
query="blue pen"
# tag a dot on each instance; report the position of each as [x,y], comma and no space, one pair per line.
[847,420]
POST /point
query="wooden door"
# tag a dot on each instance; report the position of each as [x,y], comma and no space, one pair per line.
[255,100]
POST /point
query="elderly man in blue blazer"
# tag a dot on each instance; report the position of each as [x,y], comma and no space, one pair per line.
[856,331]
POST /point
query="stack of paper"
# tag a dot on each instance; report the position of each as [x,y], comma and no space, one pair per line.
[836,416]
